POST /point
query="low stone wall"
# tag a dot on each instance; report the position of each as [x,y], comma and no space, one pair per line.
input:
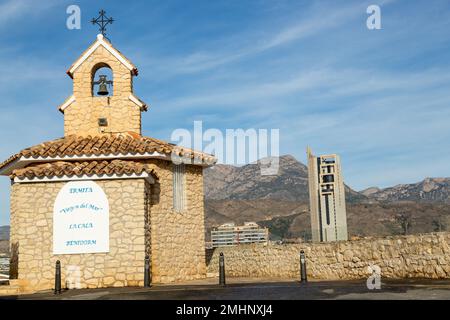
[416,256]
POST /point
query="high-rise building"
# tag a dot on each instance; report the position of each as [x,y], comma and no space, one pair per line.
[229,234]
[326,198]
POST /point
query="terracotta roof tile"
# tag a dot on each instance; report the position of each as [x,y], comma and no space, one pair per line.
[64,168]
[107,144]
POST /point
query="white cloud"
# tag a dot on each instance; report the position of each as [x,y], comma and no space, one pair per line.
[320,19]
[14,9]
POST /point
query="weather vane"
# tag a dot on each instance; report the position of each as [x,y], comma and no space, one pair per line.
[102,20]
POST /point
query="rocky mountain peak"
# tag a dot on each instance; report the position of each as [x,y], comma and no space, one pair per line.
[369,191]
[433,190]
[250,182]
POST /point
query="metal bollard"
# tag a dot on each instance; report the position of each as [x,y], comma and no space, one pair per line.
[303,277]
[221,269]
[58,277]
[147,272]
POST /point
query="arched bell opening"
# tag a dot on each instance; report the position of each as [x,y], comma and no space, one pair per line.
[102,80]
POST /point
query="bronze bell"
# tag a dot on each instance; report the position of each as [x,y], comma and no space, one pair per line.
[102,85]
[102,89]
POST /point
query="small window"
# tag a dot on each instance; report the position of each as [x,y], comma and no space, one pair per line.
[179,193]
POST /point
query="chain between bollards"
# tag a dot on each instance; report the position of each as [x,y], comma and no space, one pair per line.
[58,277]
[147,272]
[221,269]
[303,276]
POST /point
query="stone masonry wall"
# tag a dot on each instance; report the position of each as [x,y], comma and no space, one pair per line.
[122,114]
[32,228]
[177,238]
[415,256]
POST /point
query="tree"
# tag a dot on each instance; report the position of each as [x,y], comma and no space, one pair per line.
[405,221]
[439,224]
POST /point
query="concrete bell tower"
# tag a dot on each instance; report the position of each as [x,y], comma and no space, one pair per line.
[326,198]
[86,113]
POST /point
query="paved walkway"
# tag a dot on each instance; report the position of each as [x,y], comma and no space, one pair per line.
[245,289]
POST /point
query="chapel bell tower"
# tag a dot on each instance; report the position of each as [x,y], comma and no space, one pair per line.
[103,101]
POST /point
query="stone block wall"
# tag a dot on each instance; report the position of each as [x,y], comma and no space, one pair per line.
[177,238]
[32,229]
[82,116]
[414,256]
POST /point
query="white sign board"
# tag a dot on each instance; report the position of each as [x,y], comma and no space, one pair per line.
[81,219]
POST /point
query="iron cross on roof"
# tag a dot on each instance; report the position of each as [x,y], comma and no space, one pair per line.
[102,20]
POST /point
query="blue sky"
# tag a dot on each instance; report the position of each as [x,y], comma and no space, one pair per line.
[379,98]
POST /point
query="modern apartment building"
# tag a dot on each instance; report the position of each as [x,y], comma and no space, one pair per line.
[229,234]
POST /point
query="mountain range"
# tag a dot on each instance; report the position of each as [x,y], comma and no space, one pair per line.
[431,190]
[225,182]
[280,202]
